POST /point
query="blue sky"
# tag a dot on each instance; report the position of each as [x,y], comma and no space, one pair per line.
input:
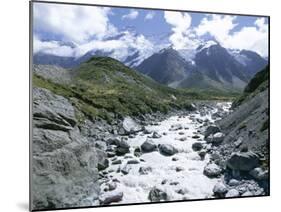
[88,27]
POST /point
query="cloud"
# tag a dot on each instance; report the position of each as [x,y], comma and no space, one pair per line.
[182,36]
[133,14]
[71,22]
[149,16]
[52,47]
[221,27]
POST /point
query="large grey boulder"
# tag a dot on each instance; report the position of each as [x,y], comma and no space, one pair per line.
[51,111]
[243,161]
[212,170]
[156,195]
[197,146]
[167,149]
[216,138]
[122,147]
[211,130]
[232,193]
[220,189]
[148,146]
[110,197]
[259,173]
[64,162]
[130,126]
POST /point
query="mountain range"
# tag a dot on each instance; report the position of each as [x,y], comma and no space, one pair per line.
[209,66]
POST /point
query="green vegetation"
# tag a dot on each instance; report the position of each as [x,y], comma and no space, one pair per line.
[104,87]
[257,84]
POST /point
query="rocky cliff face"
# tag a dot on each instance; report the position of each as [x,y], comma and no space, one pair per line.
[65,159]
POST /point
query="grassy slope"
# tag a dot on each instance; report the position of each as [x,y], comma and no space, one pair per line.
[103,87]
[258,83]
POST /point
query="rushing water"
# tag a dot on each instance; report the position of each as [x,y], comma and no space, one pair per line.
[183,178]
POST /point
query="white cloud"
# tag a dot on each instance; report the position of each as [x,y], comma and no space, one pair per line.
[71,22]
[253,38]
[51,47]
[149,16]
[182,36]
[133,14]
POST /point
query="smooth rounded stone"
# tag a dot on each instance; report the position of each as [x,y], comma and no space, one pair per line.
[174,183]
[202,154]
[180,191]
[155,135]
[145,170]
[132,136]
[147,131]
[148,146]
[130,126]
[259,174]
[195,136]
[176,127]
[181,133]
[183,139]
[110,154]
[197,146]
[232,193]
[164,133]
[211,130]
[179,168]
[133,161]
[186,128]
[175,159]
[116,162]
[212,170]
[137,152]
[247,194]
[111,186]
[167,149]
[112,140]
[110,197]
[156,195]
[103,164]
[233,182]
[243,161]
[164,182]
[220,189]
[125,170]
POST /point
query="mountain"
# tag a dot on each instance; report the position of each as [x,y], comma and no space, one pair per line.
[104,87]
[210,66]
[166,67]
[251,61]
[215,62]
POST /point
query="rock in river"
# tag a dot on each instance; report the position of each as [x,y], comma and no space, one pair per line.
[197,146]
[167,149]
[220,189]
[259,174]
[148,146]
[243,161]
[232,193]
[109,197]
[211,130]
[212,170]
[156,195]
[130,126]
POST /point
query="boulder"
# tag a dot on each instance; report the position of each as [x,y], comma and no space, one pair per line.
[197,146]
[259,173]
[212,170]
[167,149]
[216,138]
[122,147]
[148,146]
[232,193]
[130,126]
[110,197]
[233,182]
[243,161]
[155,135]
[211,130]
[156,195]
[220,190]
[145,170]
